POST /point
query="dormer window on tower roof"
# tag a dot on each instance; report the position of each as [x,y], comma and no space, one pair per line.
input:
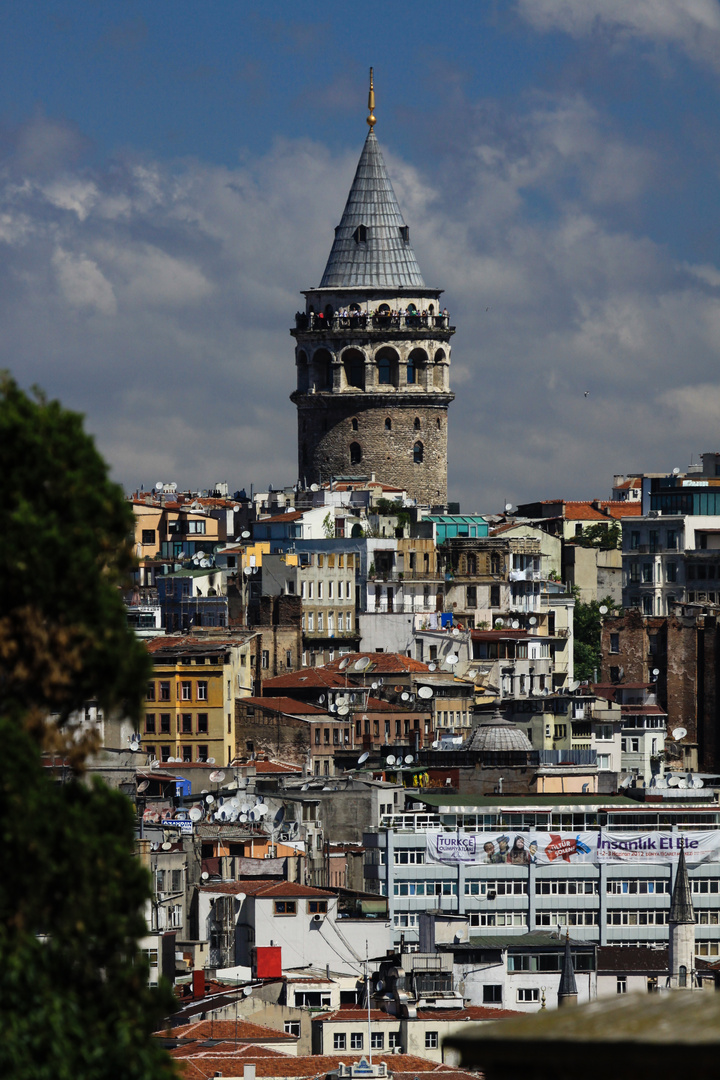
[404,231]
[360,234]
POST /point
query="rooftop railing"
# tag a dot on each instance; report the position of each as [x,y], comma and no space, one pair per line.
[359,321]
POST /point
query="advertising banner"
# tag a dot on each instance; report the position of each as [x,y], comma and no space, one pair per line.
[544,849]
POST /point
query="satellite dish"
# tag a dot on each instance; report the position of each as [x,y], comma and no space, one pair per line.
[200,554]
[245,534]
[321,698]
[204,875]
[425,692]
[332,708]
[343,664]
[452,659]
[343,710]
[363,758]
[209,799]
[248,571]
[499,622]
[252,815]
[243,818]
[217,776]
[682,783]
[409,759]
[661,782]
[432,667]
[134,745]
[532,620]
[143,785]
[508,507]
[679,733]
[196,813]
[246,808]
[455,631]
[211,761]
[166,846]
[626,782]
[673,781]
[261,810]
[247,991]
[390,759]
[374,686]
[279,818]
[314,487]
[516,624]
[573,686]
[698,782]
[159,486]
[362,663]
[404,695]
[676,471]
[435,744]
[155,764]
[603,609]
[656,671]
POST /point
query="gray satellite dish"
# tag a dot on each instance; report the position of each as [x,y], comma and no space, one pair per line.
[432,667]
[698,782]
[196,813]
[166,846]
[245,534]
[374,686]
[247,991]
[508,507]
[673,781]
[363,758]
[143,785]
[532,620]
[248,571]
[362,663]
[209,799]
[343,710]
[455,631]
[682,783]
[676,471]
[343,664]
[390,759]
[661,782]
[211,761]
[425,692]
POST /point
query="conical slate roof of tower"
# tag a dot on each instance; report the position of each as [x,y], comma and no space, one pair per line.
[383,257]
[568,985]
[681,906]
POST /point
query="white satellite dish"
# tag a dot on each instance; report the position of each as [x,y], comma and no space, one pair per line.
[343,664]
[204,875]
[499,622]
[661,782]
[452,659]
[432,667]
[211,761]
[143,785]
[245,534]
[516,624]
[196,813]
[404,695]
[435,744]
[676,471]
[343,710]
[134,745]
[332,708]
[159,486]
[166,846]
[217,776]
[246,808]
[508,507]
[698,782]
[425,692]
[362,663]
[200,554]
[603,609]
[321,698]
[679,733]
[209,799]
[314,487]
[374,686]
[456,632]
[682,783]
[363,758]
[532,620]
[673,781]
[248,571]
[409,759]
[656,671]
[390,759]
[573,686]
[243,818]
[262,810]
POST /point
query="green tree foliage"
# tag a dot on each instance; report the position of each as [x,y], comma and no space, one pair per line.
[74,998]
[604,537]
[586,629]
[64,551]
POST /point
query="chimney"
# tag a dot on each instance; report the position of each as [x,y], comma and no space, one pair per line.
[198,983]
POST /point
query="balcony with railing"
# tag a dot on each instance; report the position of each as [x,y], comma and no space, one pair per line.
[361,321]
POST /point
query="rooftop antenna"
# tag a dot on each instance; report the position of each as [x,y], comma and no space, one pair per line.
[371,124]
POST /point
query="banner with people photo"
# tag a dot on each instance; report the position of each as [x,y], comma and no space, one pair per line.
[545,849]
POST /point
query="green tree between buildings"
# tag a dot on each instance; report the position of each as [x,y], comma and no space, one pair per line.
[74,998]
[587,627]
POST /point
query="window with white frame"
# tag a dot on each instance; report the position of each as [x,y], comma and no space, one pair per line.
[356,1040]
[528,993]
[431,1040]
[339,1040]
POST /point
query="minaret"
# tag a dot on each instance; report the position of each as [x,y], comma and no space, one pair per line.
[567,990]
[681,959]
[373,350]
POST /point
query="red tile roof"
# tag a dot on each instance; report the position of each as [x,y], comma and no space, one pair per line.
[241,1030]
[306,679]
[621,509]
[266,889]
[470,1012]
[284,705]
[582,511]
[382,663]
[292,515]
[210,1060]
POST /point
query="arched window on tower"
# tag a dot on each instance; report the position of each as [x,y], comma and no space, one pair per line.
[411,371]
[354,362]
[418,453]
[388,363]
[355,453]
[416,425]
[416,364]
[388,423]
[354,423]
[439,425]
[682,976]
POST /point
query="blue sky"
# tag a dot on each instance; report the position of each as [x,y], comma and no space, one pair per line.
[171,173]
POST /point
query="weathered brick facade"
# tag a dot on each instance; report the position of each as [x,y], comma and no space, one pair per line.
[685,650]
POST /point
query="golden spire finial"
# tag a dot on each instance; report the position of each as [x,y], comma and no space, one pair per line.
[371,103]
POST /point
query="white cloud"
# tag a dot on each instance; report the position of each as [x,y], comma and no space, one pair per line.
[693,25]
[82,282]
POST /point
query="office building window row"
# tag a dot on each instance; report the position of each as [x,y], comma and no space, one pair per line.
[506,887]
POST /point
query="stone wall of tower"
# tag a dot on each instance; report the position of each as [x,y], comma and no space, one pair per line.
[387,429]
